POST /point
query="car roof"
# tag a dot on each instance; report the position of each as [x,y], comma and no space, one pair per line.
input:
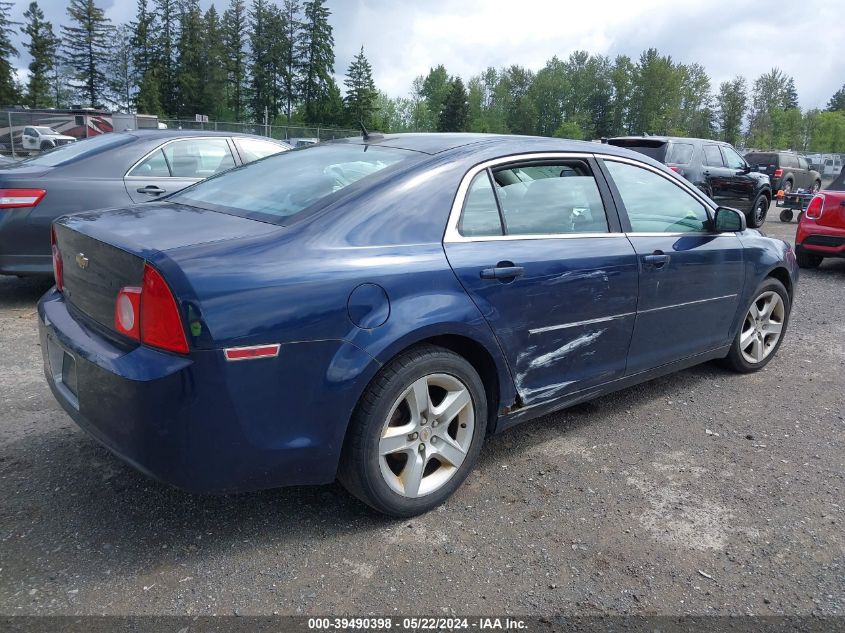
[437,143]
[167,134]
[680,139]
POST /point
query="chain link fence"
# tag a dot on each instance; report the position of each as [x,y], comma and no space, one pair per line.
[279,132]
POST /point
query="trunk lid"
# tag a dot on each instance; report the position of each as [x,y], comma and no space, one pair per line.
[104,251]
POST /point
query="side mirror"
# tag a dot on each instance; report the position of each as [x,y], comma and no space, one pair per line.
[729,220]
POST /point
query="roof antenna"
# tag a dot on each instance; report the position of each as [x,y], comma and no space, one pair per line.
[364,132]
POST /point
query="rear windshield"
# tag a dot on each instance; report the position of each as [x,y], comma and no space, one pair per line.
[79,149]
[278,187]
[756,158]
[655,149]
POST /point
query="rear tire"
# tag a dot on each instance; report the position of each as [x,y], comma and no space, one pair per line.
[808,260]
[402,456]
[763,327]
[757,215]
[786,215]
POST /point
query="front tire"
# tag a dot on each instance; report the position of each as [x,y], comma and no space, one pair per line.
[416,432]
[761,331]
[759,209]
[45,145]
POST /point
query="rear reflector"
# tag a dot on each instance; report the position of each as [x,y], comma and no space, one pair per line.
[248,353]
[815,208]
[127,312]
[20,198]
[57,261]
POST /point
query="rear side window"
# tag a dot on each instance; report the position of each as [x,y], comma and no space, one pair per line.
[656,205]
[198,158]
[283,185]
[680,153]
[252,149]
[154,166]
[480,215]
[712,156]
[550,199]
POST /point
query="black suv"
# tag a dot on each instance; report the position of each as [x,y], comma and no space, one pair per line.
[713,166]
[786,170]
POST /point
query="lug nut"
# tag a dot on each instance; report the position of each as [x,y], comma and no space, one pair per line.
[413,436]
[434,440]
[422,447]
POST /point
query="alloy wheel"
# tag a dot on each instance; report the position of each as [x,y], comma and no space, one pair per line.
[427,435]
[762,327]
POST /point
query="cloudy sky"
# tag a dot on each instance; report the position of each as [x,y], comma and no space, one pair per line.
[404,38]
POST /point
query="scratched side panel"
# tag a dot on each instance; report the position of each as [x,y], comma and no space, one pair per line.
[566,323]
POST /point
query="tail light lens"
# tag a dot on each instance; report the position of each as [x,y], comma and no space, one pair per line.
[20,198]
[149,314]
[676,169]
[778,173]
[57,261]
[815,208]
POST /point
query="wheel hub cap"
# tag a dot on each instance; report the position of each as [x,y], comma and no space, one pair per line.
[427,435]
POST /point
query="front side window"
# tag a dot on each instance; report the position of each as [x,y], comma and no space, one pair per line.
[283,185]
[29,131]
[198,158]
[712,156]
[550,199]
[802,163]
[732,159]
[656,205]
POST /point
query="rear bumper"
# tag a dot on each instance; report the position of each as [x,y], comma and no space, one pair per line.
[820,240]
[198,422]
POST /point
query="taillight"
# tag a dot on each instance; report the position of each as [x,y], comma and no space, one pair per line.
[676,169]
[20,198]
[815,208]
[57,261]
[778,173]
[149,314]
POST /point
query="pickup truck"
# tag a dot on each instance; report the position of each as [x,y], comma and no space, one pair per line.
[43,138]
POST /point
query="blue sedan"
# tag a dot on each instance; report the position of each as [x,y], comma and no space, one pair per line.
[371,309]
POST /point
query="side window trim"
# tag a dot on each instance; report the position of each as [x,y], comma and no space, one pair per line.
[502,220]
[451,234]
[623,212]
[176,140]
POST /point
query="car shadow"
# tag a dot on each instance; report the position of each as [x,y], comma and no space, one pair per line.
[22,292]
[70,496]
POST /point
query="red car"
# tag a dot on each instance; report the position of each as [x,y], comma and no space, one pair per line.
[821,229]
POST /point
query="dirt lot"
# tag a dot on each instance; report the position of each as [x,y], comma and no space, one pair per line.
[704,492]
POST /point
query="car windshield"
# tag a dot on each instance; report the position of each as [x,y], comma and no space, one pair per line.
[45,130]
[75,151]
[278,187]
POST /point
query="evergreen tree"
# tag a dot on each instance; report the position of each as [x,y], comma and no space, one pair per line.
[292,61]
[41,45]
[360,90]
[164,53]
[316,52]
[234,29]
[8,85]
[262,77]
[121,80]
[87,45]
[455,111]
[190,65]
[214,62]
[837,101]
[732,103]
[148,96]
[434,89]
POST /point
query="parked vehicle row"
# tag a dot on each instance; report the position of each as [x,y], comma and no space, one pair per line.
[371,309]
[108,170]
[715,167]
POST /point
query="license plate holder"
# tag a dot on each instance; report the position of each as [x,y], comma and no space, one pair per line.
[63,370]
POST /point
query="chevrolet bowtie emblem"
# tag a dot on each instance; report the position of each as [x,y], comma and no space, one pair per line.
[82,261]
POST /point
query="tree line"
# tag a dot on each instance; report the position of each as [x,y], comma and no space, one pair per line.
[277,58]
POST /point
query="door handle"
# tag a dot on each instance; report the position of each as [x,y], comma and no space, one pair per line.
[656,259]
[151,189]
[503,272]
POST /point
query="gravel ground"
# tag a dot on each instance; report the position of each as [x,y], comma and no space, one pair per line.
[700,493]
